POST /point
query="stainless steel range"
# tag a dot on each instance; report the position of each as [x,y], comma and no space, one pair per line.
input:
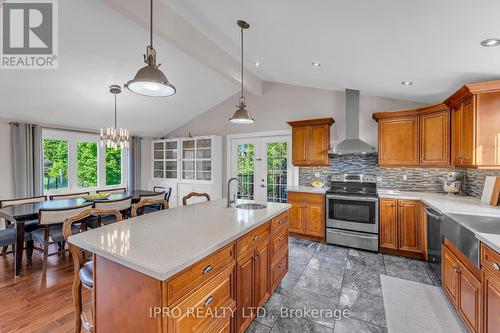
[352,211]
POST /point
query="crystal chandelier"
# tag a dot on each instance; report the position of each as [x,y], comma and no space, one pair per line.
[115,137]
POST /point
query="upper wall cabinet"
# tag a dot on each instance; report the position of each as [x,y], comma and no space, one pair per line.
[414,137]
[311,141]
[475,120]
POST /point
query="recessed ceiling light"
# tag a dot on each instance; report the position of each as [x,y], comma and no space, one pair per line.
[257,64]
[316,64]
[406,83]
[490,42]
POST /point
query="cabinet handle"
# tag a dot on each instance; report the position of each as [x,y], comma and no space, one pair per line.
[255,238]
[207,269]
[282,238]
[209,301]
[281,220]
[281,265]
[495,266]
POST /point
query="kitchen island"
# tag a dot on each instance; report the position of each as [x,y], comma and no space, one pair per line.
[198,268]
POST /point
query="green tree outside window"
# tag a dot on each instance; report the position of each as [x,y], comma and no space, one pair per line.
[87,164]
[113,166]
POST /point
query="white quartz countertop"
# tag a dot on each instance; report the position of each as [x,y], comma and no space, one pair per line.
[454,206]
[307,189]
[164,243]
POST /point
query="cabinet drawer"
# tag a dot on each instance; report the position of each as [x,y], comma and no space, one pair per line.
[199,273]
[490,259]
[279,220]
[251,239]
[196,312]
[279,241]
[278,270]
[301,197]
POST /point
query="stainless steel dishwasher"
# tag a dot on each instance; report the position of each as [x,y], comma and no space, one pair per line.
[434,239]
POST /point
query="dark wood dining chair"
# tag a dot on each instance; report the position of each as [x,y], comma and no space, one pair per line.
[113,190]
[83,270]
[68,196]
[138,208]
[194,194]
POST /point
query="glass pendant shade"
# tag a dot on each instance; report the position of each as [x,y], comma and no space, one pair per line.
[241,115]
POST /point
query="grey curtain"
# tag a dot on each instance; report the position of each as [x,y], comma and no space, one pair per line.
[26,143]
[134,164]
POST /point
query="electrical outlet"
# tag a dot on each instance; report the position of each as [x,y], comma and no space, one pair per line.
[405,177]
[316,175]
[379,179]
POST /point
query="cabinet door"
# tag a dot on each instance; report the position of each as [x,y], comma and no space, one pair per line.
[456,135]
[318,144]
[262,266]
[314,220]
[435,138]
[398,141]
[296,223]
[469,298]
[491,301]
[449,275]
[409,226]
[388,224]
[299,145]
[468,141]
[245,290]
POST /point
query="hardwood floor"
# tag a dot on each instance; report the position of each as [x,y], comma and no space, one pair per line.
[31,303]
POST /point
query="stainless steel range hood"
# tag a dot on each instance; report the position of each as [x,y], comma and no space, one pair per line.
[352,144]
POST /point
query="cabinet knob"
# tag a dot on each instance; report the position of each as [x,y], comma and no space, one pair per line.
[495,266]
[281,238]
[209,301]
[255,237]
[281,265]
[207,269]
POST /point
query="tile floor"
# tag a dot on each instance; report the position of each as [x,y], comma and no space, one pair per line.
[323,276]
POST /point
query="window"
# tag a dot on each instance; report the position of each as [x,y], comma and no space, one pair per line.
[86,158]
[76,162]
[55,164]
[113,166]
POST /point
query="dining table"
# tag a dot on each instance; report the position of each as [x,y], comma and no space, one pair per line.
[19,214]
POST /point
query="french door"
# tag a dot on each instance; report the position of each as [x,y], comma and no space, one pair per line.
[263,165]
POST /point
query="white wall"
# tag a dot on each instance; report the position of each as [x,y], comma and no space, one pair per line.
[281,103]
[6,174]
[145,163]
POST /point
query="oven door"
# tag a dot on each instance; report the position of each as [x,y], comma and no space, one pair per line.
[352,213]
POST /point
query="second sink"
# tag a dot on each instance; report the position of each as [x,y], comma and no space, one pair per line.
[250,206]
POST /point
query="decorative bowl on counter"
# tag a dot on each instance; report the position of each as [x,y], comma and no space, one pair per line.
[317,184]
[95,197]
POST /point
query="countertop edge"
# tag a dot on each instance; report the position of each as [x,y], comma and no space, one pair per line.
[162,276]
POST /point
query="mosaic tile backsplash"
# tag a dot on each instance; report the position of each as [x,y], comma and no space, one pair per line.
[416,179]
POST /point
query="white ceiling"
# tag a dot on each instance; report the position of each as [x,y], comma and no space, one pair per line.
[368,45]
[99,47]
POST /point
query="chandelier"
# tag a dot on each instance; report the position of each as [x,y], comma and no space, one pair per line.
[115,137]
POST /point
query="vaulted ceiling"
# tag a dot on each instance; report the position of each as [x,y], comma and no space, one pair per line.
[367,45]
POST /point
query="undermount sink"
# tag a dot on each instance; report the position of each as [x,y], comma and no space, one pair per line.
[250,206]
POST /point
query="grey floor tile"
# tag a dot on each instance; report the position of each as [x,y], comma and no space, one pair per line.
[301,252]
[332,251]
[363,279]
[363,306]
[327,264]
[288,283]
[291,325]
[271,310]
[306,299]
[352,325]
[295,241]
[365,268]
[394,263]
[322,282]
[256,327]
[366,258]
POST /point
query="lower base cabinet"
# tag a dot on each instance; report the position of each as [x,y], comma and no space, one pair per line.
[462,286]
[307,215]
[490,291]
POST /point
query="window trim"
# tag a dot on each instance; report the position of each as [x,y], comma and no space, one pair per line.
[73,138]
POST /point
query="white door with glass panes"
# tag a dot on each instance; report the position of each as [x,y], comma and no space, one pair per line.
[263,165]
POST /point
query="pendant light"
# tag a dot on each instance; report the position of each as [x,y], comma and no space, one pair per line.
[115,137]
[241,115]
[149,80]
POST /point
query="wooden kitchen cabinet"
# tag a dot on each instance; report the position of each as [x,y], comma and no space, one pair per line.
[490,289]
[435,137]
[398,141]
[311,141]
[460,280]
[307,215]
[401,227]
[475,121]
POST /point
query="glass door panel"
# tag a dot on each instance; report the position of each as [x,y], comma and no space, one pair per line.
[277,171]
[171,162]
[246,170]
